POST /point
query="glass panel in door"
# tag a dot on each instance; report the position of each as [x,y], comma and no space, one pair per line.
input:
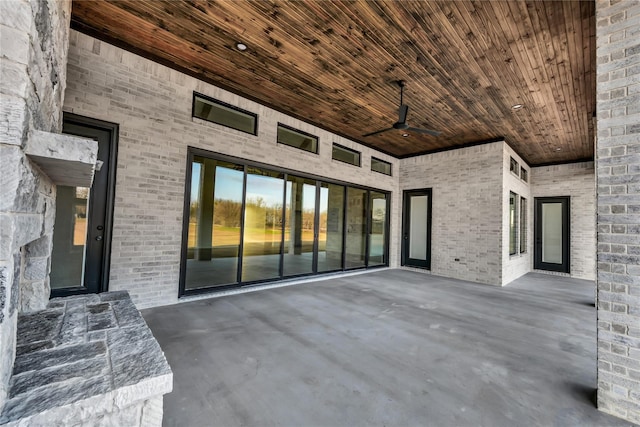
[69,237]
[215,214]
[299,228]
[356,238]
[552,233]
[377,228]
[417,228]
[551,249]
[263,225]
[330,227]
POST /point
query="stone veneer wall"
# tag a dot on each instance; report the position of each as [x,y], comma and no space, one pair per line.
[152,105]
[576,180]
[618,206]
[33,43]
[514,266]
[87,360]
[466,214]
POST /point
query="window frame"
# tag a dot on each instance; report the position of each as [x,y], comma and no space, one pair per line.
[226,105]
[246,163]
[300,132]
[514,166]
[351,150]
[513,228]
[524,174]
[523,218]
[382,161]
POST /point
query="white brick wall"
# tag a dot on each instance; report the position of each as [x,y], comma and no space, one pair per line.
[466,214]
[152,105]
[514,266]
[618,206]
[576,180]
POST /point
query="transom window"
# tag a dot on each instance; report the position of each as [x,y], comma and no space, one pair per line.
[514,167]
[380,166]
[346,155]
[221,113]
[297,138]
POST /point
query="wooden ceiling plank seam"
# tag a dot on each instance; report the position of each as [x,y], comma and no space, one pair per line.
[517,31]
[490,107]
[519,81]
[530,22]
[422,84]
[563,93]
[446,75]
[576,77]
[519,140]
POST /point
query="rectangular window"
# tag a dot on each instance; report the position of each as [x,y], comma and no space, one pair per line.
[218,112]
[298,139]
[524,175]
[346,155]
[513,223]
[514,166]
[214,227]
[523,225]
[381,166]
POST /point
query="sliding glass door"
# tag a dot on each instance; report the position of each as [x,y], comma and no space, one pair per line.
[262,237]
[330,241]
[247,223]
[214,223]
[300,226]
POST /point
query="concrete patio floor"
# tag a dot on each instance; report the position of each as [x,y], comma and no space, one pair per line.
[385,348]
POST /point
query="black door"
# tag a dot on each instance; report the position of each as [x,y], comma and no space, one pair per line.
[82,229]
[416,229]
[551,250]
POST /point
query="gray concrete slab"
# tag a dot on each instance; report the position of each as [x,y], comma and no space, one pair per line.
[387,348]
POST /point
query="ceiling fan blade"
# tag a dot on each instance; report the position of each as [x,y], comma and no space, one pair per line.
[377,132]
[402,113]
[425,131]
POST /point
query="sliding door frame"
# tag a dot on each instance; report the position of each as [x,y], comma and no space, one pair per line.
[192,152]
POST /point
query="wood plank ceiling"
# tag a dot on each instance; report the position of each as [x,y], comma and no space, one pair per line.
[335,64]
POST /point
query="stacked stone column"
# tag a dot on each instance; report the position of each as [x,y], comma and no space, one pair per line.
[33,57]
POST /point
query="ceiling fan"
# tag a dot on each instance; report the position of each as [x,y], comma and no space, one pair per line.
[402,124]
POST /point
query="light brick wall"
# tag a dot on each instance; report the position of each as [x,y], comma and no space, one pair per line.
[618,206]
[466,214]
[514,266]
[152,105]
[576,180]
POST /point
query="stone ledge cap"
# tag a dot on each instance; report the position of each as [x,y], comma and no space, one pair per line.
[67,160]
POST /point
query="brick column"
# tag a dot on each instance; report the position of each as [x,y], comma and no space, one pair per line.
[618,201]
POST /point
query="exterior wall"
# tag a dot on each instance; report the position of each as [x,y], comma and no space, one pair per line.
[466,216]
[33,42]
[618,206]
[152,105]
[514,266]
[576,180]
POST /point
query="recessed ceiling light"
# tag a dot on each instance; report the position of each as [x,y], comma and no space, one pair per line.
[241,46]
[517,106]
[559,149]
[405,135]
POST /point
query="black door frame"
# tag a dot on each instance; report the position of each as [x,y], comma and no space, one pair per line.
[105,263]
[406,197]
[566,234]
